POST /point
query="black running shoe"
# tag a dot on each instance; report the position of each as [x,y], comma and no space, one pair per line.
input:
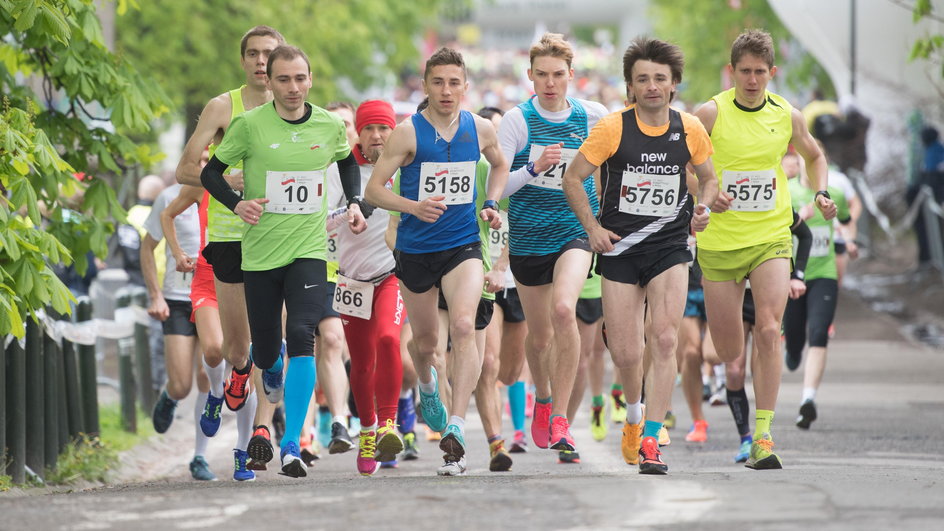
[340,440]
[807,415]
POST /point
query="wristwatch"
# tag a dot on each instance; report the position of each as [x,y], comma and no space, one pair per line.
[490,203]
[823,193]
[530,168]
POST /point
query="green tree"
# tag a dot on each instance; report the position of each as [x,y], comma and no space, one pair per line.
[705,31]
[929,47]
[192,48]
[68,107]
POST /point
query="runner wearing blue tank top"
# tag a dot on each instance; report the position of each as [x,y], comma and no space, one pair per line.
[549,253]
[437,244]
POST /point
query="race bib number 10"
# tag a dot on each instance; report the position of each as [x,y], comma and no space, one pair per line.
[454,180]
[294,192]
[751,191]
[649,195]
[552,177]
[353,297]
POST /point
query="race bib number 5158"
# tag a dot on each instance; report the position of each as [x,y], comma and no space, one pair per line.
[454,180]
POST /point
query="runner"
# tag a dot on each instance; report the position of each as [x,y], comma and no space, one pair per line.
[225,230]
[368,298]
[815,308]
[438,244]
[286,148]
[641,233]
[751,129]
[549,252]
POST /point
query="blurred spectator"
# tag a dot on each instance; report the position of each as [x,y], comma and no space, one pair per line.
[930,173]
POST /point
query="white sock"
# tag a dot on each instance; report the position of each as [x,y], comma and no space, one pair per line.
[407,394]
[634,412]
[372,427]
[809,393]
[705,379]
[200,440]
[428,387]
[341,419]
[459,422]
[244,418]
[719,374]
[216,375]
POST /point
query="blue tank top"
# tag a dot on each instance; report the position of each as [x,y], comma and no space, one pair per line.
[540,220]
[457,225]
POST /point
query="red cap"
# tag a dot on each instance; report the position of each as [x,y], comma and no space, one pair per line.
[374,112]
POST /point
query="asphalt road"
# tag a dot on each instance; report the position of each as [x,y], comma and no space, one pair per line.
[873,460]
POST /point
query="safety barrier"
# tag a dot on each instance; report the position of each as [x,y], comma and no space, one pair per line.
[49,382]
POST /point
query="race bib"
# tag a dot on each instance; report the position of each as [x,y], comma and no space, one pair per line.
[821,241]
[552,177]
[454,180]
[751,191]
[353,297]
[649,195]
[498,239]
[294,192]
[331,250]
[178,279]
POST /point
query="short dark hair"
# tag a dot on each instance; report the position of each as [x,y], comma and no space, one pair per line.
[285,52]
[445,56]
[929,135]
[649,49]
[755,42]
[489,112]
[335,105]
[259,31]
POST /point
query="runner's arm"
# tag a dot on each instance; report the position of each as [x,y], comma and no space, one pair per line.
[601,239]
[188,195]
[804,243]
[213,120]
[817,170]
[350,174]
[400,145]
[158,307]
[212,179]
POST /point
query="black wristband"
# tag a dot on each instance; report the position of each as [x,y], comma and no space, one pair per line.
[823,193]
[366,208]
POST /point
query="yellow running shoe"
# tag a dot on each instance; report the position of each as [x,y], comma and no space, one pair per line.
[597,423]
[762,455]
[632,437]
[431,435]
[500,458]
[389,443]
[664,439]
[618,408]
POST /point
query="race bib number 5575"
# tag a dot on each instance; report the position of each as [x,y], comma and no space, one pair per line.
[751,191]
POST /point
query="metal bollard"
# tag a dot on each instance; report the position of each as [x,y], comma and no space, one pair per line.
[88,378]
[129,419]
[73,395]
[142,354]
[16,436]
[50,401]
[36,428]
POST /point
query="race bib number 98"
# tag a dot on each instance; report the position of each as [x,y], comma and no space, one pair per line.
[821,241]
[454,180]
[294,192]
[498,239]
[552,177]
[751,191]
[353,297]
[649,195]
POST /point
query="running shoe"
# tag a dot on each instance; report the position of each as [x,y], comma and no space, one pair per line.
[567,457]
[411,452]
[236,390]
[699,432]
[617,408]
[807,415]
[340,439]
[278,424]
[650,460]
[597,424]
[432,436]
[309,453]
[792,360]
[163,414]
[520,444]
[406,414]
[451,466]
[744,451]
[453,443]
[719,397]
[762,455]
[389,443]
[500,458]
[292,464]
[273,383]
[211,417]
[366,462]
[260,445]
[561,439]
[669,421]
[241,472]
[529,403]
[258,466]
[200,470]
[324,426]
[705,392]
[389,464]
[433,409]
[629,446]
[541,424]
[664,439]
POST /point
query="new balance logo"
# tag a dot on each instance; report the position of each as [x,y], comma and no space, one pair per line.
[674,136]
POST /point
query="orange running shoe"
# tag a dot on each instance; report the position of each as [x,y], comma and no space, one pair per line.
[237,389]
[650,460]
[699,432]
[632,433]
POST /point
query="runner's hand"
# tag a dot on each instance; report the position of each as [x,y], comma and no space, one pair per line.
[797,288]
[722,203]
[429,210]
[250,211]
[826,206]
[492,217]
[550,157]
[356,219]
[158,308]
[494,281]
[185,264]
[601,240]
[700,217]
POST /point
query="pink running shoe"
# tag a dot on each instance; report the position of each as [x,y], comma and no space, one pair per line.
[541,424]
[520,444]
[560,435]
[366,464]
